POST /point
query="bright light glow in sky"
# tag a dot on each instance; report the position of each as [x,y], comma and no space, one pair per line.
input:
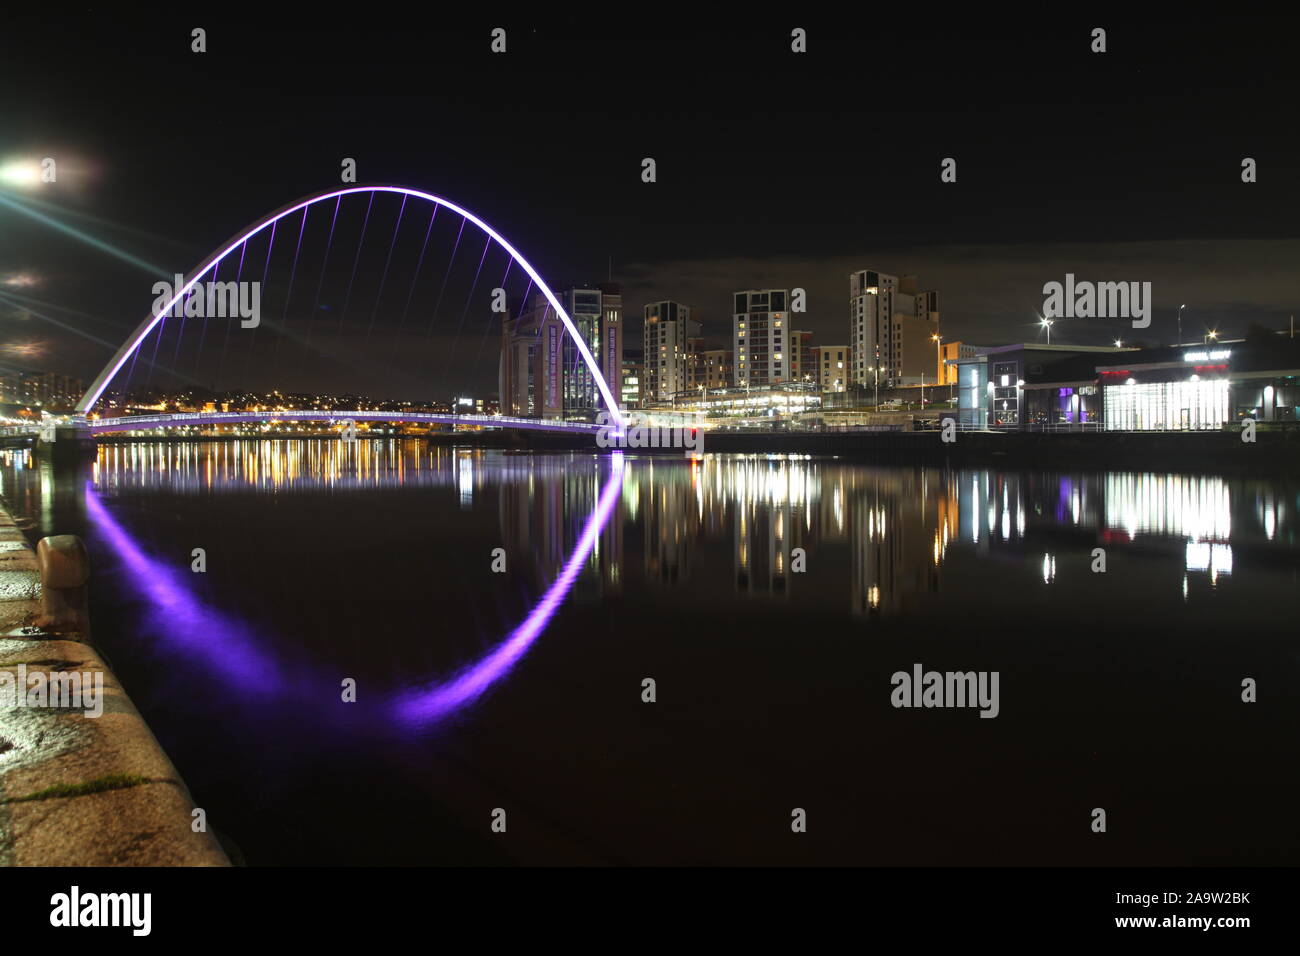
[26,349]
[23,173]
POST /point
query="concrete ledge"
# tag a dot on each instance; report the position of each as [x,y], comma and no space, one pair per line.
[79,790]
[142,819]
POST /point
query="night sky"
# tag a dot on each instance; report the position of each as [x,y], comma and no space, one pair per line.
[774,169]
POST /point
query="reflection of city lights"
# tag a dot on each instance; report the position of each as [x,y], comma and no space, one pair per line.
[1196,508]
[465,481]
[1268,512]
[763,505]
[20,280]
[1204,556]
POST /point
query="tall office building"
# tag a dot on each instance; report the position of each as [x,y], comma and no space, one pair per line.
[597,312]
[761,337]
[667,327]
[891,328]
[633,376]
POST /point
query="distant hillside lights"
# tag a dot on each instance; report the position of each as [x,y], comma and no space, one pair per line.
[211,300]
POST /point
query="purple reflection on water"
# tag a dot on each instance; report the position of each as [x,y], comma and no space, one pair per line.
[177,615]
[228,648]
[439,700]
[1064,492]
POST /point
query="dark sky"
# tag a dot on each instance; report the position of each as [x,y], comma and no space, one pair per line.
[774,169]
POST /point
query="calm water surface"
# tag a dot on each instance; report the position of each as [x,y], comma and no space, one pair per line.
[522,690]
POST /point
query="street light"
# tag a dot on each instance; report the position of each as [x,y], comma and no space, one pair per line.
[1047,324]
[938,357]
[1119,343]
[1180,324]
[1211,336]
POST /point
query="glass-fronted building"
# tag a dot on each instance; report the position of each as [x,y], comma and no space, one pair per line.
[1031,387]
[1174,388]
[972,378]
[1195,388]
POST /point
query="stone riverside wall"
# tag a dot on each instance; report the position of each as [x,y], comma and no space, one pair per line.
[78,790]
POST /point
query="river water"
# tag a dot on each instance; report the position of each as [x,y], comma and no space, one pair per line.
[501,616]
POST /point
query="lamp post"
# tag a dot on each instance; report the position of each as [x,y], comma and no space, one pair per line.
[1047,324]
[938,358]
[1180,324]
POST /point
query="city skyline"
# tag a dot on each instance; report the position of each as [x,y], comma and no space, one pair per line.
[1023,211]
[864,443]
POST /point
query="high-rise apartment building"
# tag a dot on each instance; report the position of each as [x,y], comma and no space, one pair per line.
[801,361]
[761,337]
[892,326]
[667,327]
[49,390]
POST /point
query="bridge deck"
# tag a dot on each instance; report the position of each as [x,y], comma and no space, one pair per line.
[98,426]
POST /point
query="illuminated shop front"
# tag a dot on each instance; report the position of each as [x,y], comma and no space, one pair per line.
[1035,387]
[1203,389]
[1190,405]
[1075,403]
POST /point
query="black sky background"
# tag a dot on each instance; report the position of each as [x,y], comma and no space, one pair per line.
[773,168]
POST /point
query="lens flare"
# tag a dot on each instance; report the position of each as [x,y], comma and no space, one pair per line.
[24,349]
[20,280]
[23,174]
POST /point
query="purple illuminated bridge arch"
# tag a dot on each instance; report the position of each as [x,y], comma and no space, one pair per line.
[114,366]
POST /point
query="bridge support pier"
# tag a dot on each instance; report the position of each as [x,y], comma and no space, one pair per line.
[65,446]
[65,465]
